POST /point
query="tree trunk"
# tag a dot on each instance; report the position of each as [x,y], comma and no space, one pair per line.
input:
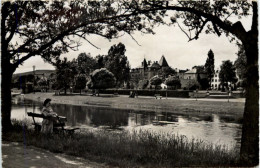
[6,97]
[249,155]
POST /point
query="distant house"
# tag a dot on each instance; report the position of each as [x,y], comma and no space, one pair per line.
[193,74]
[180,73]
[215,81]
[148,69]
[37,73]
[25,81]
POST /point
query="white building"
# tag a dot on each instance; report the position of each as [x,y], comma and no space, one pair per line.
[215,81]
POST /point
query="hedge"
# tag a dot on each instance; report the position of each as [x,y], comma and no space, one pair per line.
[170,93]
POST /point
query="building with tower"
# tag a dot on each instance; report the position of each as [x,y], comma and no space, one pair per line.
[147,69]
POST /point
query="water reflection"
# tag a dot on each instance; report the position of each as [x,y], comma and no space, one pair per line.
[210,128]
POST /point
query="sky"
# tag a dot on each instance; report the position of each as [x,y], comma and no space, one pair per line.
[169,41]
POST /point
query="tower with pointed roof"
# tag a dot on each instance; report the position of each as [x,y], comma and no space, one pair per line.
[144,64]
[163,62]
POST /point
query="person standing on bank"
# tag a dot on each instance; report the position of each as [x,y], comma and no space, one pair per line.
[47,124]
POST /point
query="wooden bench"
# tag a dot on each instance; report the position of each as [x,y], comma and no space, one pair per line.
[157,96]
[58,127]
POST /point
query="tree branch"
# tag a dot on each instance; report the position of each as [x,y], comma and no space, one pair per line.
[17,19]
[184,31]
[216,29]
[201,28]
[43,47]
[237,28]
[82,36]
[134,39]
[68,45]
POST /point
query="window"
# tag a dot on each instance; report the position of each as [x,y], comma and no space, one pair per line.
[216,85]
[216,75]
[212,80]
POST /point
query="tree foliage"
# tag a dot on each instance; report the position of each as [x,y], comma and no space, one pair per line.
[117,63]
[101,79]
[65,73]
[43,83]
[209,66]
[193,84]
[81,82]
[173,82]
[142,84]
[227,73]
[156,81]
[86,64]
[240,64]
[166,71]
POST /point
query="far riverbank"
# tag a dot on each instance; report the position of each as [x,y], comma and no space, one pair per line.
[174,105]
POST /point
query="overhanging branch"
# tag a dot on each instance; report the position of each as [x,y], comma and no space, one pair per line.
[232,28]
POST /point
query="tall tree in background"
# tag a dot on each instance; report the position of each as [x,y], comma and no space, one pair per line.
[227,73]
[100,61]
[117,63]
[66,72]
[80,82]
[209,66]
[240,65]
[86,64]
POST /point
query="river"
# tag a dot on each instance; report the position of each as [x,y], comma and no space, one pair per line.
[210,128]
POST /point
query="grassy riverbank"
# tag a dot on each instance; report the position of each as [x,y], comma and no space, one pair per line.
[126,149]
[174,105]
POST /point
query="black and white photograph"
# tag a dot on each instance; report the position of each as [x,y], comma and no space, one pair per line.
[129,83]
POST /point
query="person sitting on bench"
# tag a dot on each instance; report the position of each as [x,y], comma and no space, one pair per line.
[47,124]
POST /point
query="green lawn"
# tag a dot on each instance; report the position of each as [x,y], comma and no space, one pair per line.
[174,105]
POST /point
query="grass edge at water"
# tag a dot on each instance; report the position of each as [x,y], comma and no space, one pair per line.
[126,149]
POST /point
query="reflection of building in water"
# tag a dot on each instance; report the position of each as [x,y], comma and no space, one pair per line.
[166,117]
[135,119]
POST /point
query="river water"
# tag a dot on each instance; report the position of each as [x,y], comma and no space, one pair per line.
[210,128]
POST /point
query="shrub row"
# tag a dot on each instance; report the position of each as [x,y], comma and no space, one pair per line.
[170,93]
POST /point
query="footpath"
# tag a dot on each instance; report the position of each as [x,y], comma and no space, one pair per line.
[18,155]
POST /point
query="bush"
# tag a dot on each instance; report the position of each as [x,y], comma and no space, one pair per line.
[101,79]
[143,84]
[173,82]
[155,81]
